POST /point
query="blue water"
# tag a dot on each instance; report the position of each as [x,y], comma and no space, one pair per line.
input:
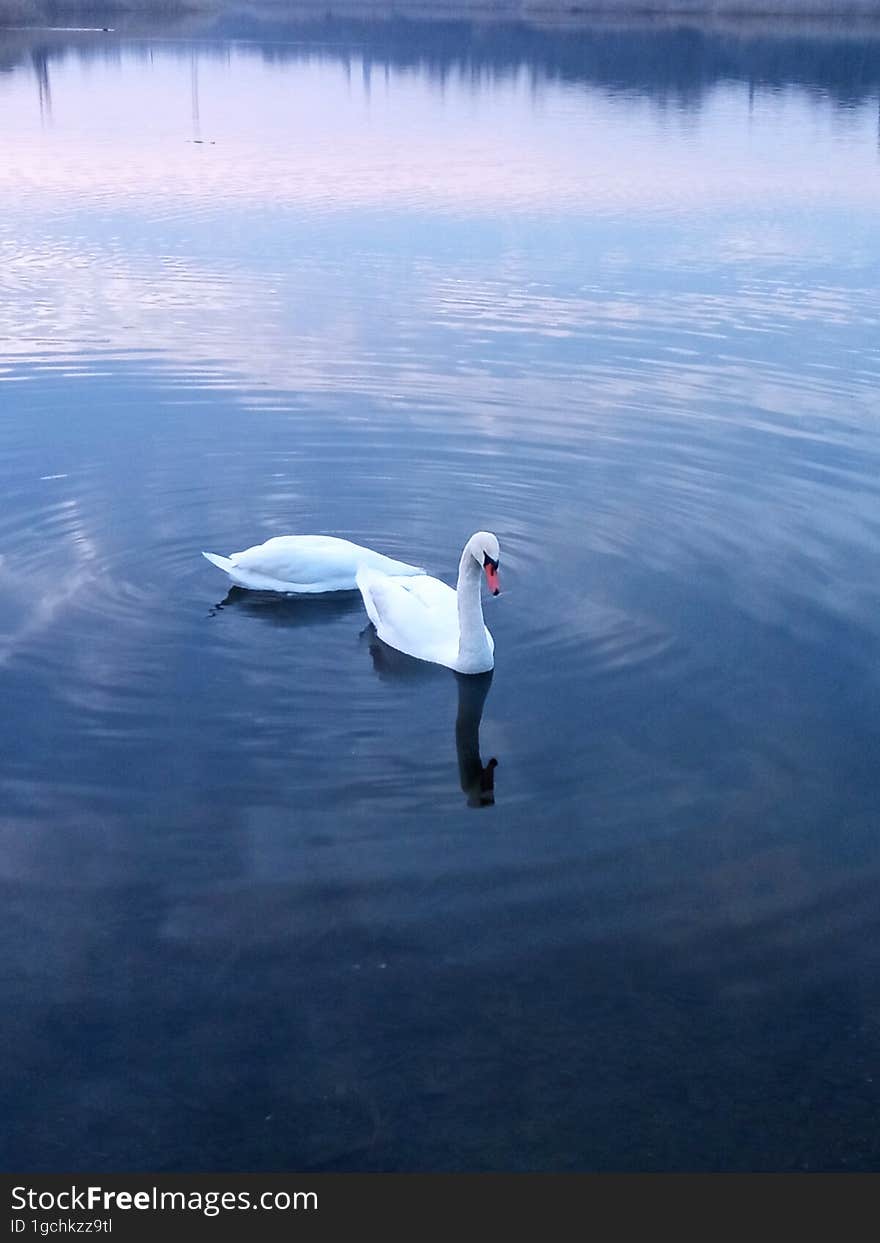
[612,294]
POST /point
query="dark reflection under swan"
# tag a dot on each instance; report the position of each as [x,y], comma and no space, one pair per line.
[477,779]
[289,610]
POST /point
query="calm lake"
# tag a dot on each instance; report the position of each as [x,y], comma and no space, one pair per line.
[611,293]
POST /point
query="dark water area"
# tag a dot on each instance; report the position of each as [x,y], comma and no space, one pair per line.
[613,295]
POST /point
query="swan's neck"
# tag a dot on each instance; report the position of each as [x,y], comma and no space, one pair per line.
[474,653]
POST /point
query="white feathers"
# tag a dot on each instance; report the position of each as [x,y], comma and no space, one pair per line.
[412,612]
[425,618]
[304,564]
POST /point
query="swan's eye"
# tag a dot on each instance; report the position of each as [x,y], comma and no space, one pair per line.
[487,560]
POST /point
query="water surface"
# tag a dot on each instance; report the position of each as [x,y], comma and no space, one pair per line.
[610,294]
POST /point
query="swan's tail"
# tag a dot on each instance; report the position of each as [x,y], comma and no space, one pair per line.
[222,563]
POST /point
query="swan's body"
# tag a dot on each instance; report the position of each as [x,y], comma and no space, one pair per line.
[305,564]
[425,618]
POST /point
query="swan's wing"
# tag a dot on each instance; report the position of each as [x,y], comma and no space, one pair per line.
[417,615]
[297,558]
[432,594]
[315,559]
[443,603]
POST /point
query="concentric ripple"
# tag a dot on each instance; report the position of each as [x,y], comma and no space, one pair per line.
[261,872]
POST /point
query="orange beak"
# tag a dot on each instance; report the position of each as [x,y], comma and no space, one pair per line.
[492,578]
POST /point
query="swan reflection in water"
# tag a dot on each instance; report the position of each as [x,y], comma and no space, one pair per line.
[281,609]
[477,779]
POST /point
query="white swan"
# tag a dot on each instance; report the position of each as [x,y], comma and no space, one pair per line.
[426,619]
[305,564]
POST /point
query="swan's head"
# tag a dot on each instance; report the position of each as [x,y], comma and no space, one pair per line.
[484,548]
